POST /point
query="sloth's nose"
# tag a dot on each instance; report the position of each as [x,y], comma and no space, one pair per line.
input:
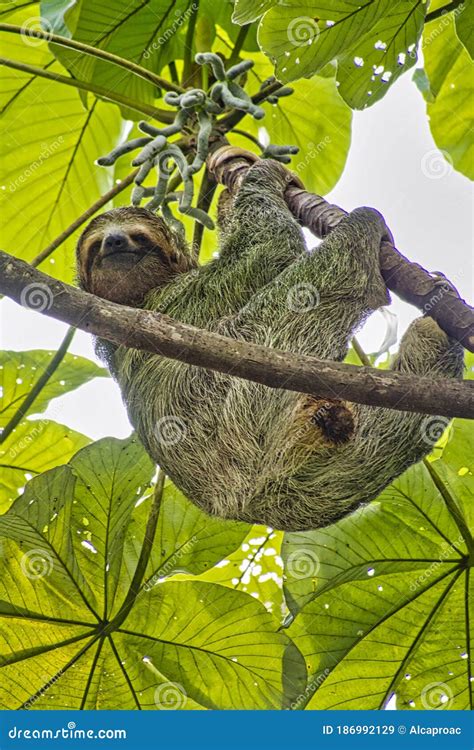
[116,241]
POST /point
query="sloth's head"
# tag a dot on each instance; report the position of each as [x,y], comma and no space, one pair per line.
[124,253]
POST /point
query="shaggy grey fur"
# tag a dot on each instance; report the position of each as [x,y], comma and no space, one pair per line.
[243,451]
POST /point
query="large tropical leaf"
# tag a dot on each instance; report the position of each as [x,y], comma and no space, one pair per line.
[70,637]
[381,601]
[373,43]
[449,95]
[19,371]
[151,34]
[34,446]
[47,153]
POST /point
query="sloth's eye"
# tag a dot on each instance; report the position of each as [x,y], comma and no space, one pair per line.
[95,247]
[139,237]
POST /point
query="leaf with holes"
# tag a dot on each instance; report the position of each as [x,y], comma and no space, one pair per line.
[304,37]
[379,58]
[381,599]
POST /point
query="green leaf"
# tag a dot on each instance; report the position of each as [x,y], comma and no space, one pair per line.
[19,371]
[302,37]
[246,11]
[451,75]
[146,33]
[256,568]
[50,180]
[34,446]
[187,539]
[151,34]
[323,141]
[69,642]
[380,57]
[221,647]
[190,540]
[464,16]
[380,600]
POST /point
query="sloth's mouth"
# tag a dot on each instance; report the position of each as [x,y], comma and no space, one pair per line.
[119,251]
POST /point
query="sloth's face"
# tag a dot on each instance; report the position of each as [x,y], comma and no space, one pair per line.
[124,253]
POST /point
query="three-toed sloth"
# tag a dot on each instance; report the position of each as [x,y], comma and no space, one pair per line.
[237,449]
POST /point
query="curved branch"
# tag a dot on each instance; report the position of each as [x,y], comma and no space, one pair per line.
[102,54]
[159,114]
[159,334]
[410,281]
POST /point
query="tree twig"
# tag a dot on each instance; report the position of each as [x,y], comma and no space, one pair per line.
[159,334]
[159,114]
[102,54]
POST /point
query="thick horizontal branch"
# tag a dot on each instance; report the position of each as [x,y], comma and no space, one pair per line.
[160,334]
[410,281]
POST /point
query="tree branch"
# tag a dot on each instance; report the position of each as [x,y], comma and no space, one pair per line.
[159,114]
[159,334]
[102,54]
[408,280]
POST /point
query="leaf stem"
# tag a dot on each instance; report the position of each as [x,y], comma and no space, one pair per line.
[49,370]
[188,45]
[452,506]
[239,43]
[135,586]
[443,11]
[87,49]
[157,114]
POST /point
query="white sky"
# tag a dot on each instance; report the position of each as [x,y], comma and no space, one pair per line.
[428,210]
